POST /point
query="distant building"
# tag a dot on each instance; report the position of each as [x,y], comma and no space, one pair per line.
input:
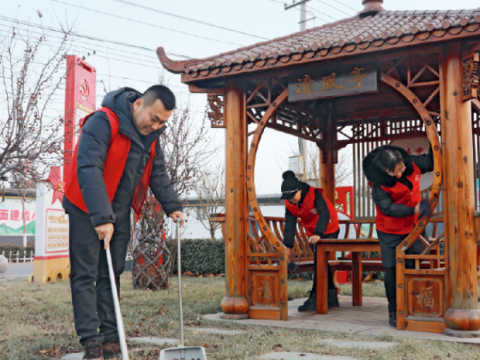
[11,216]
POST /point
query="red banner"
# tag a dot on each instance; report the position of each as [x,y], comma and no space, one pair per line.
[80,97]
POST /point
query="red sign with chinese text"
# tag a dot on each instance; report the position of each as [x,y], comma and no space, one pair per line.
[80,100]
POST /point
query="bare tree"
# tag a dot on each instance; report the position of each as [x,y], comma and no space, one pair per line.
[187,149]
[343,168]
[211,197]
[31,128]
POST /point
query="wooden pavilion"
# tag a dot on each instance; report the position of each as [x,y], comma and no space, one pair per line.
[367,80]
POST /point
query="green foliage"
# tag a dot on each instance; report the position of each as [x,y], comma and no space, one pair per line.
[200,256]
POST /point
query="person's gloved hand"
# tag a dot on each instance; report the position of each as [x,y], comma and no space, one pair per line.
[292,266]
[424,209]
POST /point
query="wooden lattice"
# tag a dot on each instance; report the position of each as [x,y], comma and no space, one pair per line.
[152,260]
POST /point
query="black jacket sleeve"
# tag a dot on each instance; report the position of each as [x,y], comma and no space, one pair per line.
[92,152]
[385,203]
[323,214]
[161,185]
[290,229]
[424,162]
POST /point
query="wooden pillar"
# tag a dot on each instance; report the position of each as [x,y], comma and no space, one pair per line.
[235,304]
[458,191]
[328,159]
[327,176]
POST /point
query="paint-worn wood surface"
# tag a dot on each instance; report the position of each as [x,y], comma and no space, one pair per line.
[460,249]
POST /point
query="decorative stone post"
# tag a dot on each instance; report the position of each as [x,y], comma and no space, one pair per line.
[3,266]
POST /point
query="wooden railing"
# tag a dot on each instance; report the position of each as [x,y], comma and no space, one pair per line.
[261,252]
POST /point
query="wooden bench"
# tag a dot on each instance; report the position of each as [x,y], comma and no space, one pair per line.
[357,230]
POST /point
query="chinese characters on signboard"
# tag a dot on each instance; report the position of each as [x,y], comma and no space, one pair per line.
[328,82]
[56,231]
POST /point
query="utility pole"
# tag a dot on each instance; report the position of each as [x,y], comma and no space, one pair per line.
[302,143]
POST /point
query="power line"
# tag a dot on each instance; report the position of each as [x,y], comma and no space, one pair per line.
[341,3]
[333,7]
[326,21]
[87,36]
[318,11]
[145,23]
[188,19]
[94,53]
[50,36]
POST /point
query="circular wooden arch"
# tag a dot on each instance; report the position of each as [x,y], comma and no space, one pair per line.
[432,136]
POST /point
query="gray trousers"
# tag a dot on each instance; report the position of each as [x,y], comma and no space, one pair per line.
[93,309]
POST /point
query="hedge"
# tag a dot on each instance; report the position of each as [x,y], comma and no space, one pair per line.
[200,256]
[14,248]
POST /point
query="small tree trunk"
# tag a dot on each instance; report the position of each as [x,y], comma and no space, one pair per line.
[24,223]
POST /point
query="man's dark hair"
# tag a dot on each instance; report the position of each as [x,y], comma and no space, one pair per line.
[159,92]
[388,159]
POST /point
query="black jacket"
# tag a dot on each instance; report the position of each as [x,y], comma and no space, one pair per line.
[92,151]
[378,177]
[291,221]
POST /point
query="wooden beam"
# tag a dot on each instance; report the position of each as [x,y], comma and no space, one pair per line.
[235,304]
[458,193]
[194,89]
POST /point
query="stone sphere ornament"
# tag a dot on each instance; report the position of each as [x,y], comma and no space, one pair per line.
[3,266]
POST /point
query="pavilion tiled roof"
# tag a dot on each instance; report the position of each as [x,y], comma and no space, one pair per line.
[356,34]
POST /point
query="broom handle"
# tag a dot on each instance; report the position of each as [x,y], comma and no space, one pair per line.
[179,271]
[116,303]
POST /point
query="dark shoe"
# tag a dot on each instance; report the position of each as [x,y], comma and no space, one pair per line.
[310,304]
[333,298]
[392,315]
[93,351]
[111,349]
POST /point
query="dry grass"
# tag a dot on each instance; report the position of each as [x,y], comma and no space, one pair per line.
[36,323]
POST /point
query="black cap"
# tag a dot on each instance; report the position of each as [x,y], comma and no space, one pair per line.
[290,185]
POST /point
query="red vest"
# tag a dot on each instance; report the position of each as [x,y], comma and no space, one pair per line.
[401,194]
[309,216]
[117,154]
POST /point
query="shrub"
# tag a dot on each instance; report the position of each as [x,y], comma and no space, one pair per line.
[5,249]
[200,256]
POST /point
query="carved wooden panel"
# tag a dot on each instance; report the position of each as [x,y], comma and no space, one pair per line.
[425,295]
[215,113]
[470,76]
[264,288]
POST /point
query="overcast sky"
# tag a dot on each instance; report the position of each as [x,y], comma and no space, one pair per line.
[118,21]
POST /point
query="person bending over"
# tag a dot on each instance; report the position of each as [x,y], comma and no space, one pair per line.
[320,220]
[394,177]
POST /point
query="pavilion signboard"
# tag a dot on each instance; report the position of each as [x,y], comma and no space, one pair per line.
[333,81]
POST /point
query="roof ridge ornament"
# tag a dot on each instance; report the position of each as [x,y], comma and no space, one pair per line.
[371,7]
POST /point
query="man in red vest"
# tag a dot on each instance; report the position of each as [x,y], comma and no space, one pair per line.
[118,157]
[320,220]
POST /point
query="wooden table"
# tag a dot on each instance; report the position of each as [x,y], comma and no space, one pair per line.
[356,247]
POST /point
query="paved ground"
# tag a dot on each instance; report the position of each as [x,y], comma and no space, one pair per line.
[19,270]
[371,318]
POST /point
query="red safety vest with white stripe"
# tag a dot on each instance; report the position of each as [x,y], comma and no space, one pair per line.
[309,216]
[401,194]
[115,161]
